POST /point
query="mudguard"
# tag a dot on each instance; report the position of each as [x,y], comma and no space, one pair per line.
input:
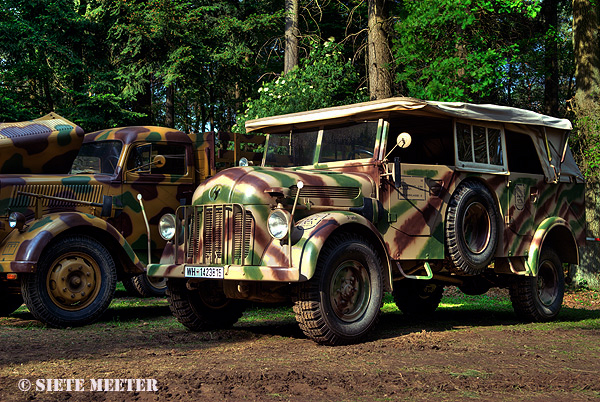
[20,252]
[545,234]
[317,228]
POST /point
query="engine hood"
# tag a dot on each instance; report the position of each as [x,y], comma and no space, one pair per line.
[253,185]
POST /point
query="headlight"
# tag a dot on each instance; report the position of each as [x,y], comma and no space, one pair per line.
[166,226]
[16,220]
[278,223]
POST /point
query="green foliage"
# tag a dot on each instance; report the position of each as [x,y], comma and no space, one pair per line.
[460,51]
[323,79]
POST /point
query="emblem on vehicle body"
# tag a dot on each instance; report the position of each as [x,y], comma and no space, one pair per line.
[520,197]
[214,192]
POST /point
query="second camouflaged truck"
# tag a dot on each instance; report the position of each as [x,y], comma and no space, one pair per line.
[66,239]
[398,195]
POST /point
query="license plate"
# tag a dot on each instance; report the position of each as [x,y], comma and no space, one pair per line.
[204,272]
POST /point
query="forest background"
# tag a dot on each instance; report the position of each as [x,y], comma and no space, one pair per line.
[200,65]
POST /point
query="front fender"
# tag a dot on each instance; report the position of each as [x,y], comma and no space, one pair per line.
[554,232]
[317,228]
[20,252]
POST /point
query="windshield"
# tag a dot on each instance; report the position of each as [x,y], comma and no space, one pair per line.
[99,157]
[291,149]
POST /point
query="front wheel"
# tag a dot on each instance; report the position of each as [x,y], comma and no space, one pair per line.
[341,304]
[204,307]
[74,283]
[540,298]
[144,286]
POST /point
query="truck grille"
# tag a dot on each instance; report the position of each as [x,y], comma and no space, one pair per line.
[218,234]
[79,192]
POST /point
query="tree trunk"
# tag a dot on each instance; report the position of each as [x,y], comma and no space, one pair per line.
[380,77]
[550,15]
[585,45]
[170,106]
[291,35]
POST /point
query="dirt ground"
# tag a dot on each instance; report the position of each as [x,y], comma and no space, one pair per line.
[455,355]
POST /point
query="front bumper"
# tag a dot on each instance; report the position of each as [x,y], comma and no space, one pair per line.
[230,272]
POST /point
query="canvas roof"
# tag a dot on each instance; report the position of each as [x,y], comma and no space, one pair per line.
[373,109]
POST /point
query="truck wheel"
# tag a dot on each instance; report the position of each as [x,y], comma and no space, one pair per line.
[130,287]
[74,283]
[203,308]
[417,297]
[472,228]
[540,298]
[341,303]
[9,303]
[144,286]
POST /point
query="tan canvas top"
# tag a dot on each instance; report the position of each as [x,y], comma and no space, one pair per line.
[367,110]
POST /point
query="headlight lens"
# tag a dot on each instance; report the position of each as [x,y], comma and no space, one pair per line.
[278,223]
[16,220]
[166,226]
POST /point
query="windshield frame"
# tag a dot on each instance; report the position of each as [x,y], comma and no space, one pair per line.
[375,152]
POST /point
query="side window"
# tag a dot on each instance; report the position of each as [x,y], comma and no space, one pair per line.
[480,146]
[521,154]
[356,141]
[141,159]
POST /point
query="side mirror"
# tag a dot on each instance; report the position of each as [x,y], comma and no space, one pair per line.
[403,140]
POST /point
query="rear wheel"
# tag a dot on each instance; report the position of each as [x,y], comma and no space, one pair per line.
[540,298]
[144,286]
[204,307]
[417,297]
[341,303]
[74,283]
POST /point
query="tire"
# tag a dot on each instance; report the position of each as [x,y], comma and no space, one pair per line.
[540,298]
[9,303]
[472,228]
[341,303]
[74,283]
[143,286]
[204,308]
[417,297]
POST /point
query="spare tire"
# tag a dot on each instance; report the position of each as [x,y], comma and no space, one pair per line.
[472,228]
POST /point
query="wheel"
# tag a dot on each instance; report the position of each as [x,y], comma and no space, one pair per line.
[203,308]
[472,228]
[130,287]
[417,297]
[74,283]
[143,286]
[9,302]
[341,303]
[540,298]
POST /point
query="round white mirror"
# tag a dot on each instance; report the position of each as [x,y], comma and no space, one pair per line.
[403,140]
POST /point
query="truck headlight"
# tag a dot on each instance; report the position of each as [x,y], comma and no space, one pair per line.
[16,220]
[278,223]
[166,226]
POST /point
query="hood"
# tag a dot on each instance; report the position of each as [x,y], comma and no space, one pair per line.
[253,185]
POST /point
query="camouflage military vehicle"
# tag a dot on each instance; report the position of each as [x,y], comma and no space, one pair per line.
[66,239]
[397,195]
[45,145]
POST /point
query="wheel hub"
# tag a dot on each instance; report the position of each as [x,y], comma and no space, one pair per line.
[476,227]
[350,291]
[547,284]
[73,282]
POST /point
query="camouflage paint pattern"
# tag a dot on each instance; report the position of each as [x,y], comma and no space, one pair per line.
[45,145]
[408,222]
[162,193]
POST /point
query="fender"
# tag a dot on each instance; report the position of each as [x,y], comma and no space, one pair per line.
[20,252]
[566,248]
[317,228]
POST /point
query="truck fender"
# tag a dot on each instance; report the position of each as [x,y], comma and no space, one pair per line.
[317,228]
[20,251]
[553,232]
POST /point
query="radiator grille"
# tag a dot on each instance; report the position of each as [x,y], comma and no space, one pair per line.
[80,192]
[219,234]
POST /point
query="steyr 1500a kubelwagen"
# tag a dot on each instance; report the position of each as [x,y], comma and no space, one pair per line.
[398,195]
